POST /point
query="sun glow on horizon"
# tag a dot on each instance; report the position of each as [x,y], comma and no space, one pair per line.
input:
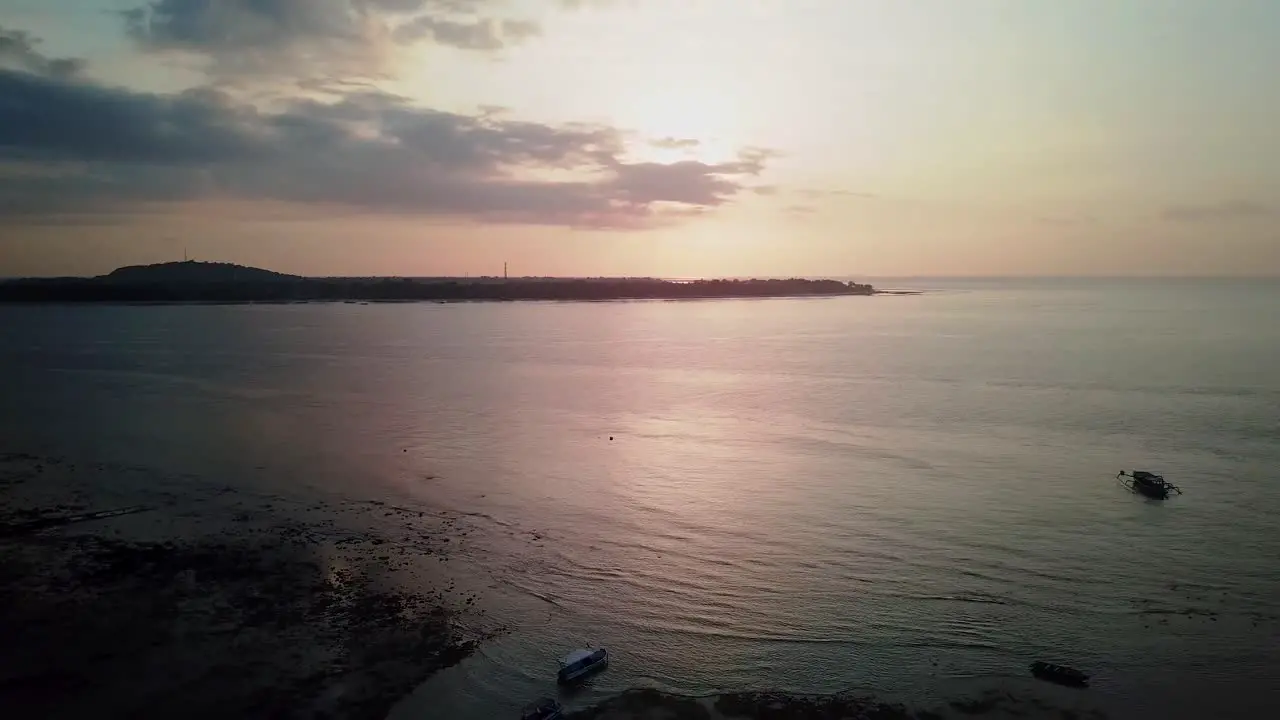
[671,150]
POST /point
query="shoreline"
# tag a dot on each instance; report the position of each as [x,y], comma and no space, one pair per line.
[211,303]
[186,282]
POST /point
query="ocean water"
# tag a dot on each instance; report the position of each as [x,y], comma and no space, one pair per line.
[907,494]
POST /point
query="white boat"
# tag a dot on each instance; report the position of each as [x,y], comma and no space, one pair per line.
[581,663]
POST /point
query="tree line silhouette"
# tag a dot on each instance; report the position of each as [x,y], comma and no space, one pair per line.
[137,287]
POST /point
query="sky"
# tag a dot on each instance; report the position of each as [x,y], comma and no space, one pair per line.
[675,138]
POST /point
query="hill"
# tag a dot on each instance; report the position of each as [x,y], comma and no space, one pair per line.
[192,271]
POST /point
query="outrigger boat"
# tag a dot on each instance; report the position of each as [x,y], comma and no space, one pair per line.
[580,663]
[1148,483]
[1060,674]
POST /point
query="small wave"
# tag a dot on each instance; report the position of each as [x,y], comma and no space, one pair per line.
[934,643]
[534,593]
[1183,611]
[943,644]
[960,598]
[704,631]
[486,516]
[1009,573]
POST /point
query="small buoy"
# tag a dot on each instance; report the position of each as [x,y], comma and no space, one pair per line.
[610,437]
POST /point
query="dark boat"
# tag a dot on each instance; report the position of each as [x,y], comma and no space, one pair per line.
[543,709]
[1148,483]
[581,663]
[1060,674]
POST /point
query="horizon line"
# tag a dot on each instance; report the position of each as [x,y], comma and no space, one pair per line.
[689,278]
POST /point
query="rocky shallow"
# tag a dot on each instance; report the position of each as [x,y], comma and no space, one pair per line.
[654,705]
[207,602]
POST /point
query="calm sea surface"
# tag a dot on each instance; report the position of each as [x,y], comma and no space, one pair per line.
[901,494]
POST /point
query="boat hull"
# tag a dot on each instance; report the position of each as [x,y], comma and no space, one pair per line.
[1151,491]
[1151,486]
[1060,675]
[579,674]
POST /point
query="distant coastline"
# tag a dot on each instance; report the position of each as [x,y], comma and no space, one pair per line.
[202,282]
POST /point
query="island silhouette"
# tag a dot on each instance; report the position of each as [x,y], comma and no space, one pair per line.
[196,281]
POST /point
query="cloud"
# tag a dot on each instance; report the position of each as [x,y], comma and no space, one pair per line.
[801,209]
[484,34]
[1229,211]
[585,4]
[104,149]
[252,39]
[671,143]
[57,121]
[688,183]
[18,51]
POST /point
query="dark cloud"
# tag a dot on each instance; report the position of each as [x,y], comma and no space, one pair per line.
[18,52]
[251,39]
[101,148]
[59,192]
[1219,212]
[268,38]
[61,121]
[689,182]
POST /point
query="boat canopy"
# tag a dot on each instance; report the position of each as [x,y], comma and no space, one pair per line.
[1147,482]
[576,657]
[581,657]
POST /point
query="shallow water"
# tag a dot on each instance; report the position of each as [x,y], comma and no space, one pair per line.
[891,493]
